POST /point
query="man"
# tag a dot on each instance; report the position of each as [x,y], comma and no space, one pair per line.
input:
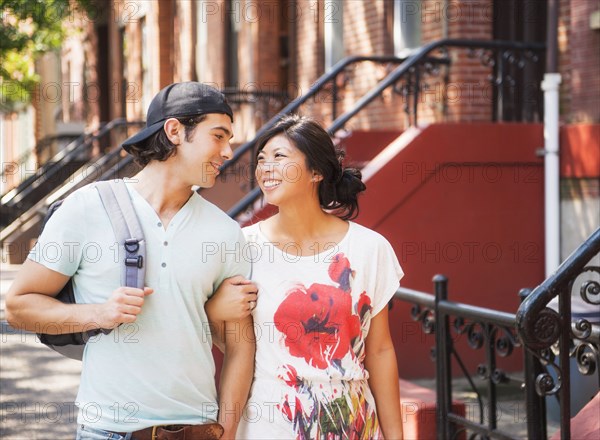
[156,367]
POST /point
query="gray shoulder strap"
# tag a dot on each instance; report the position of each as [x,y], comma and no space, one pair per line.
[128,232]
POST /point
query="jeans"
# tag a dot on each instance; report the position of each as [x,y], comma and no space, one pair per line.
[85,432]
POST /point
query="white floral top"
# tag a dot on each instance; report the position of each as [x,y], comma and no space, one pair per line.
[311,321]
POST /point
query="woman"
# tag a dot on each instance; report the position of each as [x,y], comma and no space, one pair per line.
[325,363]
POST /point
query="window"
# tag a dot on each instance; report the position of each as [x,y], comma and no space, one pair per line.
[201,41]
[333,19]
[407,26]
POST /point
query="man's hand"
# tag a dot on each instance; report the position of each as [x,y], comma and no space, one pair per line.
[233,301]
[123,306]
[31,304]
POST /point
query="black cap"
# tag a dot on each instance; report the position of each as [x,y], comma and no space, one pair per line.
[178,100]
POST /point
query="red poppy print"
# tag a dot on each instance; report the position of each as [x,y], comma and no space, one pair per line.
[318,322]
[340,271]
[322,324]
[290,377]
[363,306]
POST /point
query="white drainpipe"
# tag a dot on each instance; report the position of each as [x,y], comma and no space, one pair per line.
[550,86]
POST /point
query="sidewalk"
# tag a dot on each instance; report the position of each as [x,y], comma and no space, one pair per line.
[37,386]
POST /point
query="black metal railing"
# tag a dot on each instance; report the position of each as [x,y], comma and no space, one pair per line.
[542,334]
[485,329]
[555,335]
[18,165]
[328,82]
[53,183]
[53,173]
[267,103]
[409,79]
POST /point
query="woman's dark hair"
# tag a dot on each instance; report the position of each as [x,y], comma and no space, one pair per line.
[159,147]
[339,189]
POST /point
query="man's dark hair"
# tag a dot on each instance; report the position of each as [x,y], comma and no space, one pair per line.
[159,147]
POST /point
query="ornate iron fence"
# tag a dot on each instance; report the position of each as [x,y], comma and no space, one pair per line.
[555,335]
[543,334]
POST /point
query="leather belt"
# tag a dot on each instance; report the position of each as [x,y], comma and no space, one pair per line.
[207,431]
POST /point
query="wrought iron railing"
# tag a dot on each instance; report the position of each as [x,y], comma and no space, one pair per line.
[327,80]
[51,175]
[18,165]
[555,335]
[26,206]
[267,103]
[409,79]
[485,329]
[542,334]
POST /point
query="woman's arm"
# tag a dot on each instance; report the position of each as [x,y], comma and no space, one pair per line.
[233,300]
[380,362]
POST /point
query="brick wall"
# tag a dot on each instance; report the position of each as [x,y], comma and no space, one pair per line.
[366,32]
[92,106]
[134,71]
[166,41]
[266,21]
[184,38]
[212,16]
[584,64]
[432,17]
[564,55]
[579,62]
[309,43]
[369,30]
[471,95]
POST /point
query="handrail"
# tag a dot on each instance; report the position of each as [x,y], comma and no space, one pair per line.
[533,313]
[74,144]
[455,308]
[312,91]
[558,337]
[234,95]
[69,152]
[19,202]
[72,184]
[498,334]
[417,56]
[42,144]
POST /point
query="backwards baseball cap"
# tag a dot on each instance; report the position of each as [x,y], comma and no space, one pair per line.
[177,100]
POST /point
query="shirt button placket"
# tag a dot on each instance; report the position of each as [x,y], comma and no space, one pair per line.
[164,251]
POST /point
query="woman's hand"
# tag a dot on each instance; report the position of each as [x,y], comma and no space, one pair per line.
[234,300]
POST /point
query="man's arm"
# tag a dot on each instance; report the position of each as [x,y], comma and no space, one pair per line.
[236,374]
[31,304]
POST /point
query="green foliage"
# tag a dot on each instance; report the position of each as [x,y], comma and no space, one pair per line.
[29,28]
[334,416]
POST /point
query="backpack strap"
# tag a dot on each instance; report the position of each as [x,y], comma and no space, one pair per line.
[128,231]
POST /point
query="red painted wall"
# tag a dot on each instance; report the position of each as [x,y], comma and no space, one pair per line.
[580,151]
[361,146]
[464,200]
